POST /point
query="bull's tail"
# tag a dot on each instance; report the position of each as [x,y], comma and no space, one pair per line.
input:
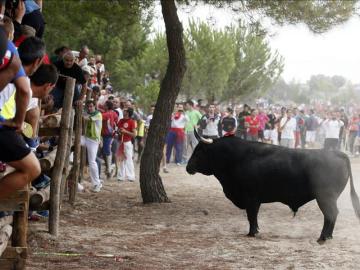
[354,197]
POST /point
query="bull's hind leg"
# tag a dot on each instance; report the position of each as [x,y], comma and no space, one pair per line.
[330,211]
[252,213]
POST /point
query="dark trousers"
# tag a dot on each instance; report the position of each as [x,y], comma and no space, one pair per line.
[331,144]
[173,141]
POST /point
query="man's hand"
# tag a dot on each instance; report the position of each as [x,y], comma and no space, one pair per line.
[12,124]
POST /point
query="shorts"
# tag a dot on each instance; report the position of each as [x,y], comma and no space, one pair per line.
[12,146]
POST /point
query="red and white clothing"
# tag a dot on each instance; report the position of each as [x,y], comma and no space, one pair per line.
[110,119]
[254,125]
[126,149]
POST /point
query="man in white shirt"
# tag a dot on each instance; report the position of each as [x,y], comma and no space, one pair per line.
[288,128]
[332,126]
[210,124]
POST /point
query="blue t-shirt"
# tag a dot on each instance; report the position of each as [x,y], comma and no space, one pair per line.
[11,47]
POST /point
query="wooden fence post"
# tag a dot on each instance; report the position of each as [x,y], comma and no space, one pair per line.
[55,184]
[75,172]
[66,170]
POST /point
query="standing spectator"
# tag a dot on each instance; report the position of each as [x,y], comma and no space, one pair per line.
[127,131]
[311,124]
[82,59]
[270,133]
[252,125]
[109,122]
[278,120]
[345,120]
[263,119]
[91,141]
[353,130]
[116,107]
[332,127]
[288,128]
[228,123]
[33,17]
[176,135]
[210,124]
[194,118]
[149,118]
[100,68]
[68,67]
[300,130]
[242,130]
[140,133]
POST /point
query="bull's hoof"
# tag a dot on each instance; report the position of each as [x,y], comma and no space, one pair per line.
[252,234]
[322,239]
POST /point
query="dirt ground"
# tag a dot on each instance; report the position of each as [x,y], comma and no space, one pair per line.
[199,229]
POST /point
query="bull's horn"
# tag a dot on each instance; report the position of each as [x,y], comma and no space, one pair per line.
[207,141]
[201,139]
[197,136]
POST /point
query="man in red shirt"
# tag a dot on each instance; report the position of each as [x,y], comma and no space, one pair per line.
[110,119]
[252,124]
[127,131]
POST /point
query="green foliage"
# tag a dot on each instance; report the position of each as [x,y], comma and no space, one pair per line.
[318,15]
[221,64]
[146,95]
[115,29]
[257,68]
[210,55]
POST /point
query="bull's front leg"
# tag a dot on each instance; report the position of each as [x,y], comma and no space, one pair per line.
[252,213]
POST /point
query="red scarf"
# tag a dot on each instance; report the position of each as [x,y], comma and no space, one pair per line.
[177,115]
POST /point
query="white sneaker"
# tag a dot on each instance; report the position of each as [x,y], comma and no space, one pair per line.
[120,179]
[131,180]
[97,188]
[80,187]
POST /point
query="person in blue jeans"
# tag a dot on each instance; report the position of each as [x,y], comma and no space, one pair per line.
[176,136]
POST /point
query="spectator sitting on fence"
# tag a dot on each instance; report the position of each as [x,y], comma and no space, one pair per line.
[59,53]
[68,67]
[13,148]
[10,64]
[82,59]
[33,17]
[31,52]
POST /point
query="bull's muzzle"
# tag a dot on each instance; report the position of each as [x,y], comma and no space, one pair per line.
[190,170]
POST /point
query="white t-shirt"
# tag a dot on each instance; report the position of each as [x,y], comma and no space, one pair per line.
[332,128]
[148,120]
[289,128]
[121,115]
[179,123]
[83,62]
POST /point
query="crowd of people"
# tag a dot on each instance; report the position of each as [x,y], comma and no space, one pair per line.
[33,84]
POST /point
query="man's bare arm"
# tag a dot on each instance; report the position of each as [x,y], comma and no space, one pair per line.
[9,73]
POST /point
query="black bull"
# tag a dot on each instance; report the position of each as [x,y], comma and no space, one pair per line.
[252,173]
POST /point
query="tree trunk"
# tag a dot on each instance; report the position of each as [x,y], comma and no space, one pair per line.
[152,189]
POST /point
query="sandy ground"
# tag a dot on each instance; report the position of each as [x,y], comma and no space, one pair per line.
[199,229]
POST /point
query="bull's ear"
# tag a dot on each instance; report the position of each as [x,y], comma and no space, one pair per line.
[197,136]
